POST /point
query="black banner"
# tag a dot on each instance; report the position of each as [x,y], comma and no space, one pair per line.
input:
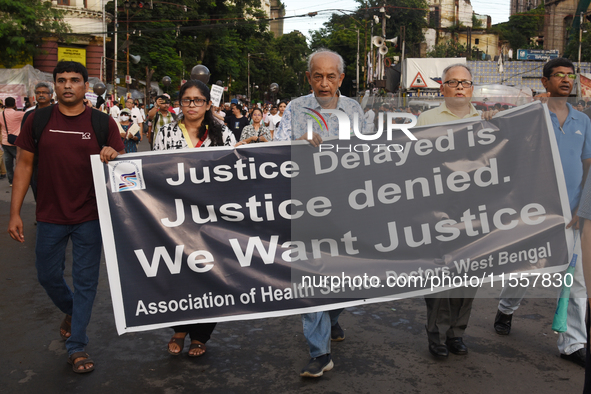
[267,229]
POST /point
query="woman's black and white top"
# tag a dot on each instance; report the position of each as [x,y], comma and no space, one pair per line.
[175,136]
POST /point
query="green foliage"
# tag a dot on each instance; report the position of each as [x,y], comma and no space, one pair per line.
[449,48]
[219,35]
[476,23]
[521,28]
[23,25]
[340,33]
[572,49]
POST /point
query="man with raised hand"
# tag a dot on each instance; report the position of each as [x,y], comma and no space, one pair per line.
[66,203]
[325,75]
[457,88]
[572,129]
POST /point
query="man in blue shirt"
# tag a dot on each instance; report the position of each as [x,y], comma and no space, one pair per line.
[325,74]
[573,135]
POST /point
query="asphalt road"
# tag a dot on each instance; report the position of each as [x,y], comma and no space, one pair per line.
[385,350]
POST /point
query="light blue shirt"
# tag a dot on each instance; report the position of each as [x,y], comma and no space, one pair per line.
[574,145]
[297,113]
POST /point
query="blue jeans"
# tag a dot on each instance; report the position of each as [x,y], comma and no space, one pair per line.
[317,330]
[575,336]
[50,250]
[9,159]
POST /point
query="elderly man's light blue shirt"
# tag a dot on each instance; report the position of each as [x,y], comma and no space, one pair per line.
[303,109]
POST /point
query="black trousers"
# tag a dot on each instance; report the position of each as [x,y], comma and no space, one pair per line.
[450,308]
[197,332]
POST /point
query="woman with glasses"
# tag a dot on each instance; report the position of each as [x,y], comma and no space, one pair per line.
[195,128]
[255,132]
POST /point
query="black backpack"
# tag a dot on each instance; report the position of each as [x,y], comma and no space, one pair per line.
[99,120]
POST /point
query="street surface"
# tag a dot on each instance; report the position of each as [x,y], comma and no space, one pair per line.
[385,350]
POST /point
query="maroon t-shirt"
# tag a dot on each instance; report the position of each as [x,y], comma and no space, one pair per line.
[65,189]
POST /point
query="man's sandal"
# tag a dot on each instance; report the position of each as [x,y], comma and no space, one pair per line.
[66,327]
[180,342]
[197,345]
[85,360]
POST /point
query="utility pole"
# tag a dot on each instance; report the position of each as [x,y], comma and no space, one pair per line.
[104,59]
[580,41]
[365,58]
[115,56]
[248,77]
[358,62]
[469,43]
[127,54]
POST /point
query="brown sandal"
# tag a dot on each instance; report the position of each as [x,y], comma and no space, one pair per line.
[85,360]
[197,345]
[180,342]
[66,327]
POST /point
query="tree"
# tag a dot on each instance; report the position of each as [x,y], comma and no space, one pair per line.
[178,34]
[450,48]
[340,35]
[572,48]
[476,23]
[23,25]
[521,28]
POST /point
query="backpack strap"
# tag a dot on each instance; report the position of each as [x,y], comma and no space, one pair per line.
[100,125]
[40,120]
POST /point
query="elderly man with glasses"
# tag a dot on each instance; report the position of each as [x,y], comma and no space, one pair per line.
[451,307]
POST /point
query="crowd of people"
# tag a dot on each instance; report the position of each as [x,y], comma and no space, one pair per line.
[193,122]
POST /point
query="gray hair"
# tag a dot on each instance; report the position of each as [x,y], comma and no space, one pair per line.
[454,66]
[45,85]
[341,65]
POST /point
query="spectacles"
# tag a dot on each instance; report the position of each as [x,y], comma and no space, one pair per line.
[198,102]
[454,84]
[562,75]
[331,78]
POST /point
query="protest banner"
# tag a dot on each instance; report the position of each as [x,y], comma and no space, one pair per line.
[226,234]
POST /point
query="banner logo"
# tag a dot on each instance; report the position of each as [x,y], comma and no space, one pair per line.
[316,119]
[126,175]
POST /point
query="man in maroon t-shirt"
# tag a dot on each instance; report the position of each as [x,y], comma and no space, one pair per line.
[66,203]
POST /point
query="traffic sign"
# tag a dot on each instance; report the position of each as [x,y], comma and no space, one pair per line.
[536,54]
[418,82]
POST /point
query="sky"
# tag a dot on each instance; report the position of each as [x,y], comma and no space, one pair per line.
[497,9]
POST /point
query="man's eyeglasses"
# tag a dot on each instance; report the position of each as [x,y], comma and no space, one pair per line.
[454,84]
[562,75]
[198,102]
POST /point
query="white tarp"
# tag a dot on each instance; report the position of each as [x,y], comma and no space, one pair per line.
[426,73]
[20,82]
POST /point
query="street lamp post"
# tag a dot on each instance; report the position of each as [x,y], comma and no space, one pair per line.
[115,62]
[127,50]
[248,77]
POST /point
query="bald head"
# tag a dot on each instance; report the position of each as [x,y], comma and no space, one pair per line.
[329,56]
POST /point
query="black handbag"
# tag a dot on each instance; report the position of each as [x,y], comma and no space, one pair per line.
[11,137]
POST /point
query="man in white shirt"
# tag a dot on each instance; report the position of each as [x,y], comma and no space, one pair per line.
[115,111]
[136,113]
[370,116]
